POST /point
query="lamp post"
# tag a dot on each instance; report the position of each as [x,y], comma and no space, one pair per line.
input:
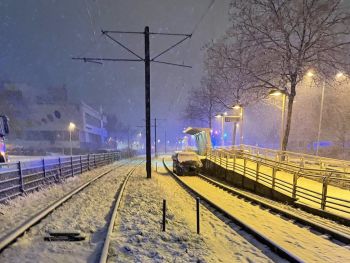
[71,128]
[240,107]
[310,73]
[284,96]
[222,126]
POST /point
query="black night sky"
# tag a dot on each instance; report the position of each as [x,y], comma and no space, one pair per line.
[39,37]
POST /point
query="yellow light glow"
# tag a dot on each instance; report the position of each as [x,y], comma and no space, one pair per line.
[218,116]
[276,93]
[225,113]
[310,73]
[71,126]
[339,75]
[237,107]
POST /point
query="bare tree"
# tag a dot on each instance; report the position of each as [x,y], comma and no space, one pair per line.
[233,84]
[203,103]
[280,40]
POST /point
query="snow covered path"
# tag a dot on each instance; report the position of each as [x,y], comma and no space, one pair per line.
[313,197]
[17,210]
[87,212]
[307,245]
[138,237]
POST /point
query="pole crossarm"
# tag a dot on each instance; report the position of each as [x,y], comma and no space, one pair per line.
[170,48]
[120,32]
[171,34]
[147,60]
[106,59]
[172,64]
[120,44]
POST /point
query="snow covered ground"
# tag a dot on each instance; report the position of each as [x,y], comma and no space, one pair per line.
[138,237]
[86,212]
[315,187]
[17,210]
[302,242]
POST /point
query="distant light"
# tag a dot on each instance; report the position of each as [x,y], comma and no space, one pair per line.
[218,116]
[310,73]
[71,126]
[158,141]
[339,75]
[237,106]
[216,132]
[276,93]
[225,134]
[225,113]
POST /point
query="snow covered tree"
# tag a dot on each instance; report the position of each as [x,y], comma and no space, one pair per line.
[203,103]
[280,41]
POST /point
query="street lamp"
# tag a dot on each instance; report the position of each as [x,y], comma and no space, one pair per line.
[222,126]
[277,93]
[310,73]
[71,128]
[240,107]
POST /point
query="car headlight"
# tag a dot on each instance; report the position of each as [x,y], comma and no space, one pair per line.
[2,153]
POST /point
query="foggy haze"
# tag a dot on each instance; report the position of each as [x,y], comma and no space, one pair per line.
[38,39]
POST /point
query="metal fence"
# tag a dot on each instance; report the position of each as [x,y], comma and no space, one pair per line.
[24,176]
[268,172]
[298,159]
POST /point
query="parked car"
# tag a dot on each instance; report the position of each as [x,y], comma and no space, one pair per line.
[186,163]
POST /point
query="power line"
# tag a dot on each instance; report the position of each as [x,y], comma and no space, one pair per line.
[147,60]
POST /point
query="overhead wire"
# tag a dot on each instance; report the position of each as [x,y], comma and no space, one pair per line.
[179,94]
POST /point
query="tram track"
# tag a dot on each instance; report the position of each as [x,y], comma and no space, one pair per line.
[60,211]
[335,231]
[283,249]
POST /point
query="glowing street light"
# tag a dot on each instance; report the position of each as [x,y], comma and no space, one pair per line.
[337,76]
[240,107]
[222,127]
[71,128]
[310,73]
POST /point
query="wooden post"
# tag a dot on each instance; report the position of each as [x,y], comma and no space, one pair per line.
[257,175]
[324,193]
[44,168]
[198,215]
[88,162]
[20,173]
[295,179]
[273,178]
[59,169]
[71,165]
[164,214]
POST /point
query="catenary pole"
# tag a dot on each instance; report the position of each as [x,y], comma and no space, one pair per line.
[148,103]
[148,61]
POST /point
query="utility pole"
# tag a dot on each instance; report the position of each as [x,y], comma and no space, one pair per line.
[148,104]
[147,60]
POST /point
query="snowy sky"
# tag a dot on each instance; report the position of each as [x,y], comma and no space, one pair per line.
[39,37]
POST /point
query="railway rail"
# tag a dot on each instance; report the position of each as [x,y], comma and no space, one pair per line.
[333,229]
[39,218]
[105,248]
[286,251]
